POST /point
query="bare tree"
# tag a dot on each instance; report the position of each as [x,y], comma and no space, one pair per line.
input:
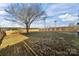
[25,13]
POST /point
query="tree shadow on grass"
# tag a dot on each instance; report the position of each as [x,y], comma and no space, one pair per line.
[15,50]
[1,40]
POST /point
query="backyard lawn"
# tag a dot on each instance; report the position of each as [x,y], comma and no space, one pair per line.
[43,43]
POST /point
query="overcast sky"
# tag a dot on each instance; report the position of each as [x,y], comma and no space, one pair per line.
[64,14]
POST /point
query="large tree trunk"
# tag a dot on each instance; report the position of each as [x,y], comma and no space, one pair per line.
[27,28]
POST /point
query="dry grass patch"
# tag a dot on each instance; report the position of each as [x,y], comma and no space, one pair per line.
[12,39]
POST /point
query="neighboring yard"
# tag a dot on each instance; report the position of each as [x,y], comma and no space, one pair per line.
[43,43]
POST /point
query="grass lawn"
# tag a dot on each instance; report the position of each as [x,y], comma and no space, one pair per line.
[54,43]
[43,43]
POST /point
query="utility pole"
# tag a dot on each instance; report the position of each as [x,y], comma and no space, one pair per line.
[78,26]
[44,19]
[55,24]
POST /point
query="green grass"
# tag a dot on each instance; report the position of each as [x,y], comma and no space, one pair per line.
[57,42]
[52,35]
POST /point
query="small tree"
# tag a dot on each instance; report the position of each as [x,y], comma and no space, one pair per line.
[25,13]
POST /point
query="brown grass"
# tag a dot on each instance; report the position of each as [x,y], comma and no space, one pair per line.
[12,39]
